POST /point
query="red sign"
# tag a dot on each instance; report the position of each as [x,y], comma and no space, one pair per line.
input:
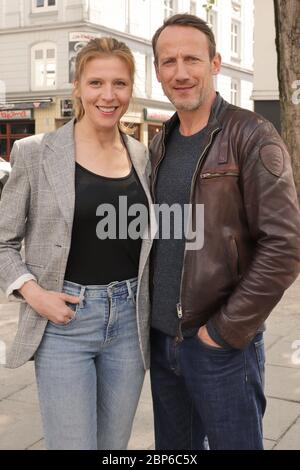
[15,114]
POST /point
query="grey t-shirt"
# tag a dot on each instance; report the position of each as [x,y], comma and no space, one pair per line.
[173,186]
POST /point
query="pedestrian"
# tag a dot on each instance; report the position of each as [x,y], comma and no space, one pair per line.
[209,302]
[84,292]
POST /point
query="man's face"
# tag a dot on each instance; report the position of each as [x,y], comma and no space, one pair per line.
[184,68]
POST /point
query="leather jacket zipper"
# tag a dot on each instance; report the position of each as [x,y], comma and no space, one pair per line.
[179,338]
[159,161]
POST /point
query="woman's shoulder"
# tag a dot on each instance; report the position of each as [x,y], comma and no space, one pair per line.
[134,144]
[35,143]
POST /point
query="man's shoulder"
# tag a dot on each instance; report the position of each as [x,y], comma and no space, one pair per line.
[243,116]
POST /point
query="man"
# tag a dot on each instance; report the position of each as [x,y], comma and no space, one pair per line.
[209,304]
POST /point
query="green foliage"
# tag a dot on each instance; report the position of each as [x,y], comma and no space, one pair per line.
[209,4]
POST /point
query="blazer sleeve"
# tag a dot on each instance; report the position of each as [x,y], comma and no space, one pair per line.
[13,214]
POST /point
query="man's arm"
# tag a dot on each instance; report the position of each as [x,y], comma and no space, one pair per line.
[272,211]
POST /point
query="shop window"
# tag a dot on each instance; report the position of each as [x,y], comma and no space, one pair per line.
[10,131]
[135,127]
[66,108]
[153,129]
[43,63]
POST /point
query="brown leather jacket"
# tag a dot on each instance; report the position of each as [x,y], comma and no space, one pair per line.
[251,251]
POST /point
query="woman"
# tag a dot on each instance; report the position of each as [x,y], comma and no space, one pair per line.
[80,283]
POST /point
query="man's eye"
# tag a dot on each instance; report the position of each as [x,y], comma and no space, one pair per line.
[120,83]
[192,60]
[95,83]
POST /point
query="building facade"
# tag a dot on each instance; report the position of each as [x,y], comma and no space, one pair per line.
[265,87]
[40,38]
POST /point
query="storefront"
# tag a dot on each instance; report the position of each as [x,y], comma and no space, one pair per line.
[155,118]
[19,119]
[14,125]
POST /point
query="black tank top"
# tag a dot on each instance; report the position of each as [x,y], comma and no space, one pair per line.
[96,261]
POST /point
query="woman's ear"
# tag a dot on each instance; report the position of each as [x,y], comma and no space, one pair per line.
[76,90]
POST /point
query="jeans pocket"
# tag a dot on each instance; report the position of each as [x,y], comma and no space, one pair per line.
[260,357]
[212,348]
[74,308]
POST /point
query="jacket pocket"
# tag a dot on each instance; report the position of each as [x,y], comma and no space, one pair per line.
[217,174]
[35,265]
[233,258]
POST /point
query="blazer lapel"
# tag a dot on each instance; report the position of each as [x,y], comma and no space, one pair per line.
[59,167]
[138,156]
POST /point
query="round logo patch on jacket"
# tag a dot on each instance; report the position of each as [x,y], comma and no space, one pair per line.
[272,158]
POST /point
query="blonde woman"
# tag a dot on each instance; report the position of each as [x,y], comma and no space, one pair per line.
[84,292]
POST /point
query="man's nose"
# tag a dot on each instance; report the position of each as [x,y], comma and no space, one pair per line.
[181,73]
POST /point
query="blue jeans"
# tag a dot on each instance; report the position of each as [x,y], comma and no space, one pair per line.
[201,392]
[90,371]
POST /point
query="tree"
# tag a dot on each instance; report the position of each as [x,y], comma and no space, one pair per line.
[209,4]
[287,23]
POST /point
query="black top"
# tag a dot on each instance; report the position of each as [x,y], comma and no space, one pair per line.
[98,253]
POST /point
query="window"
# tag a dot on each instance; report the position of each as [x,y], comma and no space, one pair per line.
[212,20]
[234,92]
[193,7]
[169,8]
[44,5]
[43,60]
[235,39]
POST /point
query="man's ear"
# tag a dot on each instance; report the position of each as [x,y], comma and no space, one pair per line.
[216,64]
[157,70]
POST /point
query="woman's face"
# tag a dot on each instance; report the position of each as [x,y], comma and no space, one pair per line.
[105,89]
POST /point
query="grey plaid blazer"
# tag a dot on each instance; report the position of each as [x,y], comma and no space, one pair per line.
[37,205]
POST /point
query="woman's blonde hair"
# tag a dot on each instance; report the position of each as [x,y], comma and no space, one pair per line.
[99,48]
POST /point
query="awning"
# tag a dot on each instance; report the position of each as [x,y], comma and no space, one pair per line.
[26,104]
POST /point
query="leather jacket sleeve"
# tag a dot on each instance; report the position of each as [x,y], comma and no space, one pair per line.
[272,211]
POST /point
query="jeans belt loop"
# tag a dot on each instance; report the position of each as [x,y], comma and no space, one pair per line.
[130,293]
[81,296]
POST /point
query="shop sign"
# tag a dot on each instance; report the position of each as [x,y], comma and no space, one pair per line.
[77,40]
[15,114]
[157,115]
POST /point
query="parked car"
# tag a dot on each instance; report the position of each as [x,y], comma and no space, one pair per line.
[4,173]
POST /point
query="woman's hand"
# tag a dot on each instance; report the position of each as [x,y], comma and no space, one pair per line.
[49,304]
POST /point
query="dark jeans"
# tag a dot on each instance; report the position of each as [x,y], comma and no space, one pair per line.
[199,391]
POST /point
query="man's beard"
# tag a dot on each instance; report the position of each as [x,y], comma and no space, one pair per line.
[190,105]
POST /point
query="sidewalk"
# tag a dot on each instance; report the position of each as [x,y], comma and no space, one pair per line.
[20,425]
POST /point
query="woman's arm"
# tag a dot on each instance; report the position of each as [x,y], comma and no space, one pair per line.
[13,213]
[15,279]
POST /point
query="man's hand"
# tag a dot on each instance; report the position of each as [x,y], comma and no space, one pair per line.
[205,338]
[49,304]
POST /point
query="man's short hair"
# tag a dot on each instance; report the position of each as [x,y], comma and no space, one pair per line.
[191,21]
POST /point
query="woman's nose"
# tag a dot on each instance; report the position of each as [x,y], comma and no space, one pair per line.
[108,93]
